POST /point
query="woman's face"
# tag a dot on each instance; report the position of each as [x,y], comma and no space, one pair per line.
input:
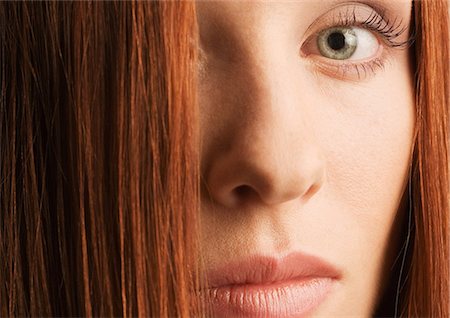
[307,115]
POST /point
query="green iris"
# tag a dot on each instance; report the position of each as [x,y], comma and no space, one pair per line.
[337,43]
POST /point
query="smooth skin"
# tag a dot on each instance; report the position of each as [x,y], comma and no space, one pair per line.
[297,153]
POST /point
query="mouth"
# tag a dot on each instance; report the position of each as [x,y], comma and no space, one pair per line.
[263,286]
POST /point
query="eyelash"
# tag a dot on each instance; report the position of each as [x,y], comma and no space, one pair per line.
[388,30]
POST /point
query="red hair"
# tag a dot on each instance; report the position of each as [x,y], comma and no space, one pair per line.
[99,162]
[99,159]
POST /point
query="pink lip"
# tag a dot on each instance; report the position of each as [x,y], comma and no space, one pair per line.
[291,286]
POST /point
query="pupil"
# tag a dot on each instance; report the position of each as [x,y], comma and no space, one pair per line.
[336,41]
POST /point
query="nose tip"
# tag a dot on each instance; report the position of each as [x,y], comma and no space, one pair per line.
[233,183]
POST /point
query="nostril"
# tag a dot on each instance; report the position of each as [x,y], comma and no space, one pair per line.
[244,193]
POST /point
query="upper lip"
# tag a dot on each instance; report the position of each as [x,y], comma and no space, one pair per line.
[261,269]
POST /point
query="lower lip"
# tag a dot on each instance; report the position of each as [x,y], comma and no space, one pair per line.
[295,298]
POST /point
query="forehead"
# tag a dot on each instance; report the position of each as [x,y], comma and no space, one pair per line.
[257,11]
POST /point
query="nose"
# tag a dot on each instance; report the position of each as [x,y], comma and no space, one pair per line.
[265,151]
[265,175]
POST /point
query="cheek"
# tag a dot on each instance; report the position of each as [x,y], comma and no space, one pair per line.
[368,149]
[369,158]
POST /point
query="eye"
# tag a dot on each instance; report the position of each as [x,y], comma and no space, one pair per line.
[347,43]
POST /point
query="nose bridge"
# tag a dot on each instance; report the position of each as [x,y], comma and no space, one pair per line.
[279,156]
[272,126]
[274,110]
[270,85]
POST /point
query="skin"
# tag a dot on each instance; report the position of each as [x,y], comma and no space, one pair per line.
[298,157]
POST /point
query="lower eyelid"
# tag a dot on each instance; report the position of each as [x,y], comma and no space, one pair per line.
[350,70]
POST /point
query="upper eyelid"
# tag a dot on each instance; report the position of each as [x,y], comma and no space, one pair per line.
[390,27]
[347,11]
[334,8]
